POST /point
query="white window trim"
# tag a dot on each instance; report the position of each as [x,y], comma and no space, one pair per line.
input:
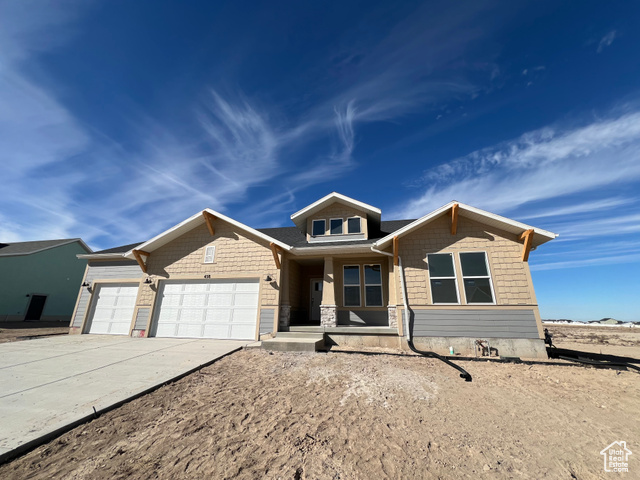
[324,230]
[364,276]
[354,233]
[341,222]
[213,254]
[344,285]
[486,261]
[455,278]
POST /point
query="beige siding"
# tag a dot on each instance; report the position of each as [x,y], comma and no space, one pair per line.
[509,273]
[237,255]
[338,210]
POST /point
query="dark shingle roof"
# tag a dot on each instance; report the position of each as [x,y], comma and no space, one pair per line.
[294,237]
[26,248]
[121,249]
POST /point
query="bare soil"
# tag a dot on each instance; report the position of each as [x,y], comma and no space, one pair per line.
[17,331]
[347,415]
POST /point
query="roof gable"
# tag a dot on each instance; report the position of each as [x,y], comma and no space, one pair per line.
[540,236]
[299,218]
[193,222]
[27,248]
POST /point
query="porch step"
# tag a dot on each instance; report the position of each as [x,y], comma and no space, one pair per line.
[358,330]
[294,342]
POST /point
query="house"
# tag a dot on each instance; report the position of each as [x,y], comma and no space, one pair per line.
[453,276]
[39,280]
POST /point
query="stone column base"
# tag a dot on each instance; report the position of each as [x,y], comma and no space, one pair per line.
[393,316]
[328,315]
[284,320]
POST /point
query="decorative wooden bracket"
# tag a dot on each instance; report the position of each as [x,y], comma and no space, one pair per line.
[395,250]
[527,237]
[274,250]
[208,219]
[454,218]
[138,254]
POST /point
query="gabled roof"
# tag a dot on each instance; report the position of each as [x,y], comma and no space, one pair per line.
[540,236]
[109,253]
[27,248]
[193,222]
[300,216]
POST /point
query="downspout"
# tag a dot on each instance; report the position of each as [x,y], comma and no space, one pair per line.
[405,311]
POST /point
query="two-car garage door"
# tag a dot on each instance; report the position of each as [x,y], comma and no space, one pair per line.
[207,309]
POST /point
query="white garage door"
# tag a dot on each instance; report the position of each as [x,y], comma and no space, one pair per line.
[208,309]
[113,307]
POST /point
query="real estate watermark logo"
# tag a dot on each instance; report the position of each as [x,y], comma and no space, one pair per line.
[616,457]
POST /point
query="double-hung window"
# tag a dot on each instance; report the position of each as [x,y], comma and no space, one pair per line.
[336,226]
[476,277]
[318,228]
[351,287]
[442,277]
[372,286]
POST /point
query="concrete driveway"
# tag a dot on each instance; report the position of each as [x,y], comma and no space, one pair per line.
[50,385]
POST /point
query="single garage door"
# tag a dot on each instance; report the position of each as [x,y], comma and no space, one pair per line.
[112,310]
[208,309]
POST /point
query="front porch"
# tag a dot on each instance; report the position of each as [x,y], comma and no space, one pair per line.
[341,295]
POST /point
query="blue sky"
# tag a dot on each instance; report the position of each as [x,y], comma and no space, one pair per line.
[119,119]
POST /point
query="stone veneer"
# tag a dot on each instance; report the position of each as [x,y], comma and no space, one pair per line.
[393,316]
[328,315]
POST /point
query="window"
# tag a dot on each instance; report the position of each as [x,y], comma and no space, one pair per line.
[442,277]
[351,286]
[353,225]
[336,226]
[476,277]
[372,286]
[319,228]
[209,254]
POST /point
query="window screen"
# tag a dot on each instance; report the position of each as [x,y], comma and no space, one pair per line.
[372,286]
[318,228]
[442,278]
[476,277]
[353,225]
[351,277]
[336,226]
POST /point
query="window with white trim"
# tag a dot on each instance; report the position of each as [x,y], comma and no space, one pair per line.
[442,278]
[372,286]
[336,226]
[353,225]
[351,285]
[209,254]
[318,228]
[476,277]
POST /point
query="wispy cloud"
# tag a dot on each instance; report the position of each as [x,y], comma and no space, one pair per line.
[607,40]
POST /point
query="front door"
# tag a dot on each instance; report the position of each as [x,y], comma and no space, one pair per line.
[36,305]
[316,299]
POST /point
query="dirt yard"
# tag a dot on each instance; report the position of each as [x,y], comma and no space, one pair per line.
[16,331]
[359,416]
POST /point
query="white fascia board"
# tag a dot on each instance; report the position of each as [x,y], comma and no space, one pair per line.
[192,222]
[317,205]
[100,256]
[463,207]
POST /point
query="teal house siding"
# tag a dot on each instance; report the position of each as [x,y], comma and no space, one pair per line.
[55,272]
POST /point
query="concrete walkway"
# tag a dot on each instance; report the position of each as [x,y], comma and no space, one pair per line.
[49,385]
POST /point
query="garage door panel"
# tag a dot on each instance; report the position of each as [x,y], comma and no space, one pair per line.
[220,300]
[112,310]
[212,309]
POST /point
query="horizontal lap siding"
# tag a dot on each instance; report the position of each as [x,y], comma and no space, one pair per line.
[104,271]
[267,317]
[474,323]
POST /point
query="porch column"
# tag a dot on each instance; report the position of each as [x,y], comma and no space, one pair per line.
[328,307]
[284,319]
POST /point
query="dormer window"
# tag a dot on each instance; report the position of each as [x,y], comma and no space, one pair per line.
[353,225]
[319,228]
[336,226]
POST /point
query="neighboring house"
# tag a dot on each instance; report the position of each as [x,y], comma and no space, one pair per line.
[39,280]
[340,270]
